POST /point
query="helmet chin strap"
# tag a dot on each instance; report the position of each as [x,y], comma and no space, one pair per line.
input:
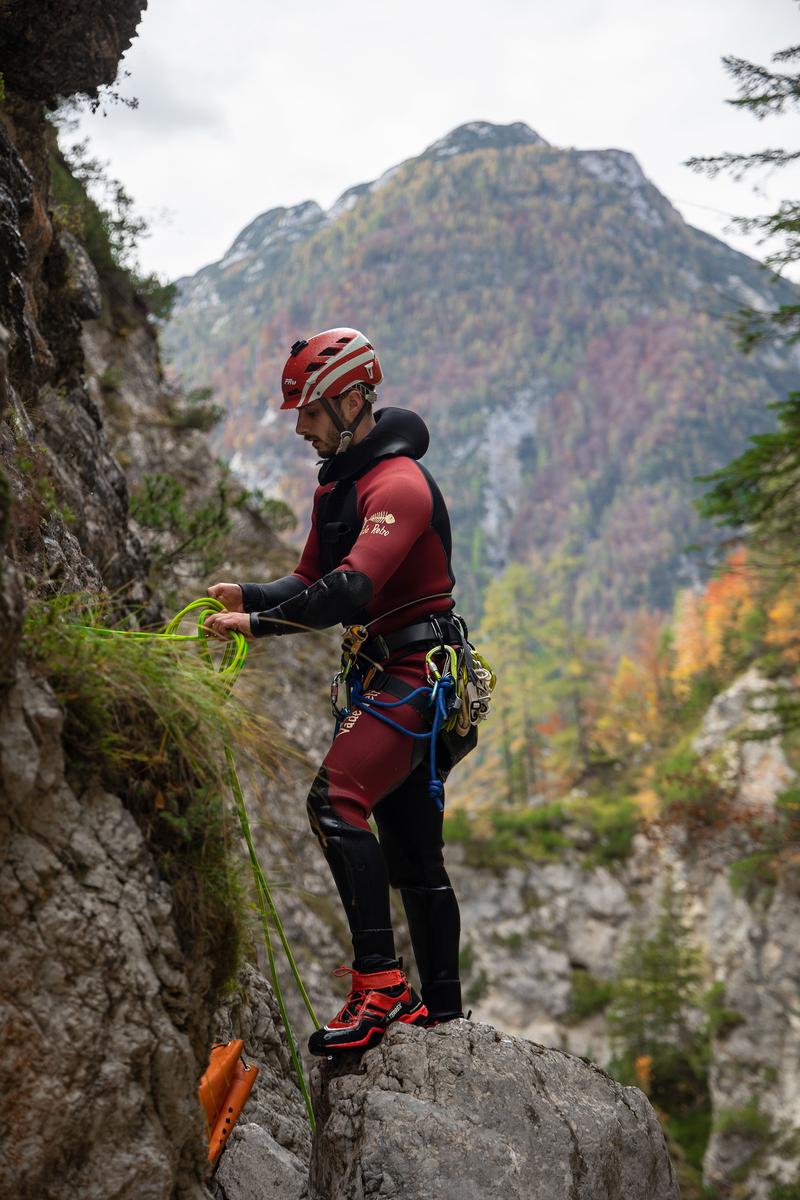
[345,431]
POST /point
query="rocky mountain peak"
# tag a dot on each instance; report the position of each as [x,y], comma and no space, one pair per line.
[483,135]
[277,225]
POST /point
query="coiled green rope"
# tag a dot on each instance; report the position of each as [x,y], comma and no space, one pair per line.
[233,659]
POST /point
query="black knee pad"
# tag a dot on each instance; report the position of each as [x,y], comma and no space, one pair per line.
[425,872]
[359,872]
[323,820]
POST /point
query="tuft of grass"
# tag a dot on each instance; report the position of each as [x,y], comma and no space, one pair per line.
[149,720]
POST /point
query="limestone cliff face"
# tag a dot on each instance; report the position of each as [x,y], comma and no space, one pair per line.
[96,991]
[531,929]
[64,497]
[102,1028]
[59,47]
[105,1018]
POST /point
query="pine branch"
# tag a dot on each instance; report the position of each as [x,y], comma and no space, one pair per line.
[786,55]
[762,91]
[779,325]
[740,164]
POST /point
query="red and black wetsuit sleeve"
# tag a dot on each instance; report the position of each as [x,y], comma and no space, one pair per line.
[400,558]
[257,597]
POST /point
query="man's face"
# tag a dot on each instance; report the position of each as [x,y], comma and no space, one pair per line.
[316,427]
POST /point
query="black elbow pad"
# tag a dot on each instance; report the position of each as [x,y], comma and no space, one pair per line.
[340,597]
[259,596]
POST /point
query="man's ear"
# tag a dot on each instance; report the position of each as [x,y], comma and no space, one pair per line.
[351,404]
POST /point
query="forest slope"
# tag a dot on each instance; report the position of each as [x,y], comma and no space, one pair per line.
[561,328]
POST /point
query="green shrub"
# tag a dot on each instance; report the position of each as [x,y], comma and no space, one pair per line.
[533,833]
[197,411]
[785,1191]
[589,995]
[458,826]
[613,822]
[466,958]
[108,228]
[477,989]
[516,836]
[192,529]
[721,1020]
[787,806]
[277,513]
[746,1122]
[691,1131]
[750,875]
[513,941]
[690,793]
[149,721]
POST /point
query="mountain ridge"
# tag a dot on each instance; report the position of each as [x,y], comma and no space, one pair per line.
[491,268]
[479,135]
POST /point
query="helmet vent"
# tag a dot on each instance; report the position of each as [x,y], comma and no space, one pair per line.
[315,366]
[329,352]
[345,341]
[294,392]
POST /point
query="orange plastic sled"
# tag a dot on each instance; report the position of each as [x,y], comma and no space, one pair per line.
[223,1092]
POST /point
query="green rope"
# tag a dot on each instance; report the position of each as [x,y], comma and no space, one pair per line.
[233,659]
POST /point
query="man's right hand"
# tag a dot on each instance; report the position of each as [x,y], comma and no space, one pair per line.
[229,594]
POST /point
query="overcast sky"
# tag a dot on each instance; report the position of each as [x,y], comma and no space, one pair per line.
[246,105]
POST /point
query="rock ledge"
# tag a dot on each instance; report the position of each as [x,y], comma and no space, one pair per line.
[467,1111]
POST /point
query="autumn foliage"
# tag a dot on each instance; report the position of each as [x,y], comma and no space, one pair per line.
[569,714]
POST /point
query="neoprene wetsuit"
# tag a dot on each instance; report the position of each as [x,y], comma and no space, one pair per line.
[379,542]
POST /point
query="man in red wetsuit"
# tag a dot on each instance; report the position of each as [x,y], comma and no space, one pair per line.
[378,555]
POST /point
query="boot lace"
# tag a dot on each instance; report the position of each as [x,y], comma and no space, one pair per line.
[355,1000]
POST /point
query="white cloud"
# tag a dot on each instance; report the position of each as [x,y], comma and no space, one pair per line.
[245,106]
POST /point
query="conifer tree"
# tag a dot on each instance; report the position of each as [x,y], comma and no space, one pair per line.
[654,1014]
[760,490]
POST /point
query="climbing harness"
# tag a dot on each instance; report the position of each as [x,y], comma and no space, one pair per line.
[229,669]
[458,689]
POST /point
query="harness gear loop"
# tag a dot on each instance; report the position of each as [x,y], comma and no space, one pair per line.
[353,639]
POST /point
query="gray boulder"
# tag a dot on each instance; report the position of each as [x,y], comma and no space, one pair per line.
[267,1155]
[469,1112]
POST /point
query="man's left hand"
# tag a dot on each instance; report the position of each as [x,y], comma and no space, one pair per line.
[222,624]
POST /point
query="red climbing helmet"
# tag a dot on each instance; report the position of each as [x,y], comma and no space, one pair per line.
[327,365]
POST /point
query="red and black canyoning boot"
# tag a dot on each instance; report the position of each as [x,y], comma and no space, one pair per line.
[375,1001]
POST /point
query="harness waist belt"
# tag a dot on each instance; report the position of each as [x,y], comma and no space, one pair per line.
[381,646]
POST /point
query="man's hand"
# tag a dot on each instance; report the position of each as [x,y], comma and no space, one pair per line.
[229,594]
[222,624]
